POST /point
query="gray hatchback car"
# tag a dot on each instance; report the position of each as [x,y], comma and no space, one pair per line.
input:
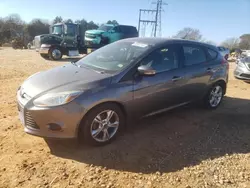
[95,96]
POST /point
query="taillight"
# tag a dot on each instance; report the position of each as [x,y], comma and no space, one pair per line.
[224,62]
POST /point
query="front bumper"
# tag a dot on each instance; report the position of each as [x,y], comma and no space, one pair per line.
[40,121]
[43,50]
[242,73]
[93,43]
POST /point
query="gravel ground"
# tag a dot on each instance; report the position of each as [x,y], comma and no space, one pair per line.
[185,148]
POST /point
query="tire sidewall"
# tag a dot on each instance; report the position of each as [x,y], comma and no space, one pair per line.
[207,97]
[85,129]
[50,53]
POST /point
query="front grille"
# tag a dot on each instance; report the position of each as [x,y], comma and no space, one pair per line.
[37,42]
[29,122]
[90,36]
[245,75]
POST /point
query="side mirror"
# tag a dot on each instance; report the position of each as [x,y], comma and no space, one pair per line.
[146,71]
[112,31]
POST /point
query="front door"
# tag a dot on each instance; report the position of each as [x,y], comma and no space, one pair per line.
[116,34]
[162,90]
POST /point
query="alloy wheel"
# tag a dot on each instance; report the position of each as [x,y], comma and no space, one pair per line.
[216,96]
[104,126]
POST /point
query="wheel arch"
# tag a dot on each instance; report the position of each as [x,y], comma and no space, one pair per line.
[117,103]
[223,85]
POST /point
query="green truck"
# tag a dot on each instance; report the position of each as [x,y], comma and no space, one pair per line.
[71,40]
[106,34]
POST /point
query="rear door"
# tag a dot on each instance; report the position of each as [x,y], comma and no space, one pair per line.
[197,67]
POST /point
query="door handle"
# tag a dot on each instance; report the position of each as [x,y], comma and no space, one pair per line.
[176,78]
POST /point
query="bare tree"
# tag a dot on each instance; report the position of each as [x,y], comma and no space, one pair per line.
[231,43]
[210,42]
[114,22]
[57,19]
[37,27]
[68,21]
[189,33]
[245,42]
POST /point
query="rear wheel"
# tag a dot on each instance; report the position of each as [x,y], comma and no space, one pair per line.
[214,97]
[102,124]
[55,53]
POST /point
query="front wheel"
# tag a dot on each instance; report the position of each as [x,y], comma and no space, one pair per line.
[214,97]
[55,53]
[102,124]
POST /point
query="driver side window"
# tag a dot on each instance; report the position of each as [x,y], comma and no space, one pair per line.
[117,29]
[163,59]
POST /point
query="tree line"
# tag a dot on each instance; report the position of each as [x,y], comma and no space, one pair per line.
[13,26]
[243,42]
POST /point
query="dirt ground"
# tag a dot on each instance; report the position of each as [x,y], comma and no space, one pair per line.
[185,148]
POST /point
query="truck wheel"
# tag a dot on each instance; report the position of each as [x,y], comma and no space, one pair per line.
[55,53]
[45,56]
[105,40]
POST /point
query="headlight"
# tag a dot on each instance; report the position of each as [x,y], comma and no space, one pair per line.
[45,46]
[56,99]
[240,64]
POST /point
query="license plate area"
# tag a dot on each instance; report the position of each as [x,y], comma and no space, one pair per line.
[73,53]
[89,50]
[21,113]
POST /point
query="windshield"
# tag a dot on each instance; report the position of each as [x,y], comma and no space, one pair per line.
[57,29]
[114,57]
[105,27]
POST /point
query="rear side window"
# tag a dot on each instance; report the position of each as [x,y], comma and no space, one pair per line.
[193,55]
[117,29]
[128,29]
[211,54]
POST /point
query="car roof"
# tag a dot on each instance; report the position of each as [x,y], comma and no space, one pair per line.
[156,41]
[126,25]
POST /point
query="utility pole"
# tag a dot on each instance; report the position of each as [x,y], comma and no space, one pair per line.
[143,23]
[156,23]
[159,9]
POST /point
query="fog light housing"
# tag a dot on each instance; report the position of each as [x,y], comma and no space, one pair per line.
[54,127]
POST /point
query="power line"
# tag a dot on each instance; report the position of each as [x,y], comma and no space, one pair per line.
[155,22]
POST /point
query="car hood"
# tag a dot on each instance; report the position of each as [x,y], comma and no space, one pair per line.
[95,32]
[64,78]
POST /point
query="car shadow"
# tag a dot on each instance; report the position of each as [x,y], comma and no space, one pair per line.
[170,141]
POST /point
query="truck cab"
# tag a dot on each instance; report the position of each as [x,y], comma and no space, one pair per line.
[63,39]
[106,34]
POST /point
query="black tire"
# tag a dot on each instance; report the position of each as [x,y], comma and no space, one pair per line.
[85,135]
[207,99]
[51,53]
[105,41]
[45,56]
